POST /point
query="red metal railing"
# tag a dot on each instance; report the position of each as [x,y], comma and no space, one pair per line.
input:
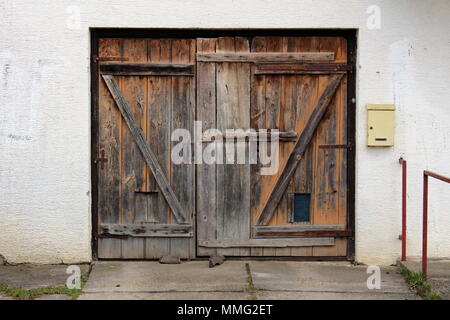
[427,174]
[403,236]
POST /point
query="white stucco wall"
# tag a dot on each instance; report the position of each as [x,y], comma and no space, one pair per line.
[45,112]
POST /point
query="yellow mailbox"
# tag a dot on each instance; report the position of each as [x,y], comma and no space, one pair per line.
[380,125]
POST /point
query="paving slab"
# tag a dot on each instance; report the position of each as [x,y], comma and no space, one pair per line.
[436,268]
[165,296]
[441,285]
[438,273]
[310,295]
[151,276]
[28,276]
[323,277]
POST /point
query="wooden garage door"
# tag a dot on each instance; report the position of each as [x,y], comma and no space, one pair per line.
[149,207]
[295,85]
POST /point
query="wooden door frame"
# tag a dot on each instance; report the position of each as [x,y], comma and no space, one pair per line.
[349,34]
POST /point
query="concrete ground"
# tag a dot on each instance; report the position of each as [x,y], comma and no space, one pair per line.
[28,276]
[232,280]
[438,273]
[32,277]
[270,280]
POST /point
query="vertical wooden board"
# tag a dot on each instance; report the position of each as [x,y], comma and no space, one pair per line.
[293,94]
[158,135]
[303,177]
[257,121]
[324,160]
[222,106]
[341,107]
[307,97]
[341,163]
[109,142]
[192,105]
[134,205]
[243,109]
[325,165]
[206,173]
[233,112]
[273,115]
[270,103]
[329,162]
[182,117]
[286,123]
[338,45]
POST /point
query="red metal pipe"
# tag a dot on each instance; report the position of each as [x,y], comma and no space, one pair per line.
[404,193]
[425,225]
[437,176]
[426,174]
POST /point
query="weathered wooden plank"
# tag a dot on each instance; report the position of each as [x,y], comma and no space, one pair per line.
[286,122]
[147,69]
[342,179]
[192,101]
[147,230]
[182,176]
[337,45]
[291,69]
[109,145]
[133,167]
[327,163]
[299,150]
[247,57]
[148,154]
[307,87]
[257,121]
[302,230]
[268,243]
[233,179]
[272,97]
[298,228]
[158,135]
[341,138]
[317,233]
[206,173]
[303,177]
[325,181]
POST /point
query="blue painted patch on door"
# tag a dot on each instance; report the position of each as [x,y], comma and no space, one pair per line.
[302,207]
